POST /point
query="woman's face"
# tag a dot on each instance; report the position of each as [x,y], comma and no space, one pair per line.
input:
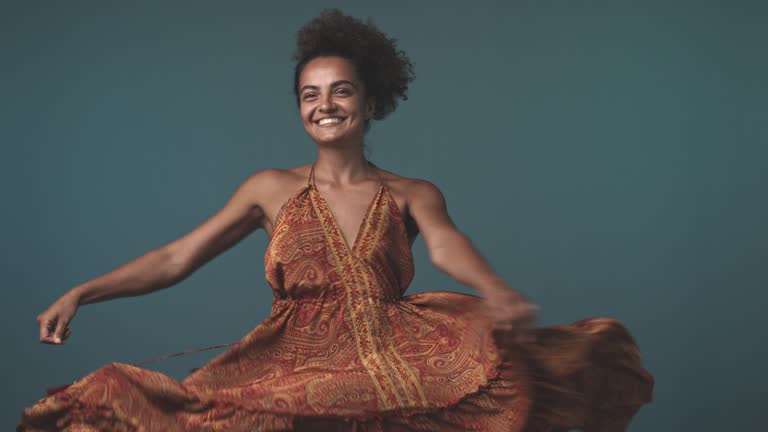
[332,100]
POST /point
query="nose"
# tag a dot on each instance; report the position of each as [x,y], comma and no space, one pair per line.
[326,104]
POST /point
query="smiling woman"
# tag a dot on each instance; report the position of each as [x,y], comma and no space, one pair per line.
[344,349]
[333,101]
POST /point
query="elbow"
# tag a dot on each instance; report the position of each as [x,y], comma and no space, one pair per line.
[439,259]
[435,261]
[445,261]
[443,255]
[173,263]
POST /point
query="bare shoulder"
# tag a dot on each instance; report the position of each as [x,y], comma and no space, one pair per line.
[281,178]
[414,190]
[274,182]
[272,187]
[420,201]
[427,192]
[257,188]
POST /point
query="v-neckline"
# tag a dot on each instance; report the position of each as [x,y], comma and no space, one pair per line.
[361,226]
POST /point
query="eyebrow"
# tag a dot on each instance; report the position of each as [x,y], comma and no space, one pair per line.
[333,84]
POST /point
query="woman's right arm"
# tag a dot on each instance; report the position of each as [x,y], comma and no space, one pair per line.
[166,266]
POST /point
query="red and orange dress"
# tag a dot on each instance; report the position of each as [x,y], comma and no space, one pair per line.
[345,350]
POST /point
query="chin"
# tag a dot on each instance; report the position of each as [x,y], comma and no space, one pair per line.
[331,138]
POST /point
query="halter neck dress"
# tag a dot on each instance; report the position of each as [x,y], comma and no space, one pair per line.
[345,350]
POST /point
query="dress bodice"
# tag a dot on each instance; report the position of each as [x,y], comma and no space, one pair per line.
[308,257]
[346,301]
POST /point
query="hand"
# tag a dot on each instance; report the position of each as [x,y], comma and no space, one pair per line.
[512,315]
[54,320]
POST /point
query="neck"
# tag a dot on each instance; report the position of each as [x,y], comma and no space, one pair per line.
[342,166]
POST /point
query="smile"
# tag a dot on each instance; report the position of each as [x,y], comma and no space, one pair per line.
[329,121]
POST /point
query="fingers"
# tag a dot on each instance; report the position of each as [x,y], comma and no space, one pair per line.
[60,328]
[47,329]
[43,322]
[528,309]
[515,324]
[512,321]
[519,315]
[52,340]
[53,330]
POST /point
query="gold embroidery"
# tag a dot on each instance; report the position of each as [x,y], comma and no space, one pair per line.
[360,336]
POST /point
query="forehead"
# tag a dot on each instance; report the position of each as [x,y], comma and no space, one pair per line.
[327,69]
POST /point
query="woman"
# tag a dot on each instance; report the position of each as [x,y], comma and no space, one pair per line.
[343,349]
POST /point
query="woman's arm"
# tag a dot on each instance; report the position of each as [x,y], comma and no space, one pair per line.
[172,263]
[166,266]
[453,252]
[450,250]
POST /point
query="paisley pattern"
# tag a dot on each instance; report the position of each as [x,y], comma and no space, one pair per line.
[345,350]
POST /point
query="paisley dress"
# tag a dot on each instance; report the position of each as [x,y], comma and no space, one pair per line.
[344,349]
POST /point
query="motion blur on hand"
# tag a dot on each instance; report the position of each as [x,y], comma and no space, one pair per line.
[512,315]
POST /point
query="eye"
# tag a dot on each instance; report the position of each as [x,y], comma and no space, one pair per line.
[343,91]
[308,96]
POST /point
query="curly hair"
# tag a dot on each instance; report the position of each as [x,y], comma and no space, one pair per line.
[384,69]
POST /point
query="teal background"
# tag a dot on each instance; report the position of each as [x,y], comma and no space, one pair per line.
[607,157]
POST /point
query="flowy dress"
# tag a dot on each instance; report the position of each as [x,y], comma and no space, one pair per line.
[345,350]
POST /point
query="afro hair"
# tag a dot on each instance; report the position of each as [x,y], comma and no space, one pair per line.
[384,69]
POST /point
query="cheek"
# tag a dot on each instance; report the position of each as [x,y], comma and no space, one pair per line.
[305,113]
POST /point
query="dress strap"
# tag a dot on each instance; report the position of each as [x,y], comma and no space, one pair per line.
[311,176]
[378,174]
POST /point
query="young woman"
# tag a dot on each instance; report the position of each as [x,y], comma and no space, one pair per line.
[343,347]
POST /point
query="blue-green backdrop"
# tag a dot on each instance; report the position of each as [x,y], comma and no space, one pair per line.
[607,157]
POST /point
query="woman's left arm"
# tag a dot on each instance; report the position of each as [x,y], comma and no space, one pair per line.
[453,252]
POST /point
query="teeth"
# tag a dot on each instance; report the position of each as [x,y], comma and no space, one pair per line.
[332,120]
